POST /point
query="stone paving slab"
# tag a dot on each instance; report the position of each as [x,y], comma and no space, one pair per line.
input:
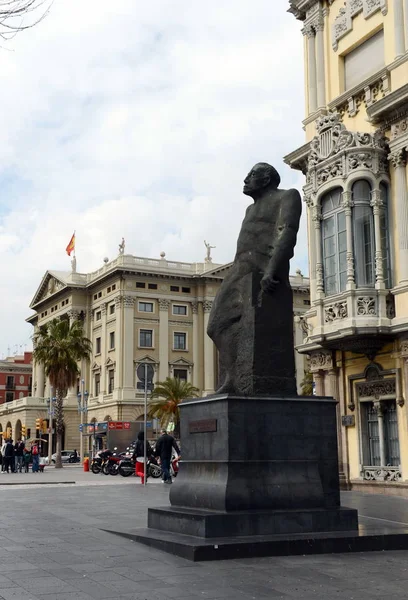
[52,547]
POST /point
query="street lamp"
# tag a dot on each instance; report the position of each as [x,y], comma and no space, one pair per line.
[51,403]
[82,408]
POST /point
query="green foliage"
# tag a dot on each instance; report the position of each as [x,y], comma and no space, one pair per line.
[166,398]
[307,384]
[58,346]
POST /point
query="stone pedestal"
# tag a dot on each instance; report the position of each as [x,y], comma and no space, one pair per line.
[255,467]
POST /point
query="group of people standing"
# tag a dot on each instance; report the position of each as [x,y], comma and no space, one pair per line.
[15,456]
[163,450]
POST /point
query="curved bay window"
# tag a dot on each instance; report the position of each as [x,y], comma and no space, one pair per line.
[334,242]
[364,238]
[385,239]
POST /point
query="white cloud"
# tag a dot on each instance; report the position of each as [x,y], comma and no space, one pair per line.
[139,119]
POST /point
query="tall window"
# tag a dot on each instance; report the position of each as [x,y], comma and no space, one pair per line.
[111,340]
[385,238]
[364,240]
[180,341]
[334,242]
[98,345]
[97,384]
[180,374]
[111,378]
[146,338]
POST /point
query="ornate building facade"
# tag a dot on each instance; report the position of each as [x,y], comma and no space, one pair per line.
[355,165]
[135,310]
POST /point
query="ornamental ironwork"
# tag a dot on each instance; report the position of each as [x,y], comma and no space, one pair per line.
[387,473]
[377,389]
[335,312]
[366,306]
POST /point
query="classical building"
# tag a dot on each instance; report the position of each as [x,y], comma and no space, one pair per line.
[15,377]
[355,164]
[135,310]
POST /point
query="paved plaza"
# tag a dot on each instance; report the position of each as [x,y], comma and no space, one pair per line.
[53,547]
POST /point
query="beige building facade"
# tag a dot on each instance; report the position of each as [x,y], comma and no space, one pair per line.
[134,310]
[355,166]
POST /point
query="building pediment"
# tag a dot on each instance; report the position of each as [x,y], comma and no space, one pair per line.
[51,283]
[181,362]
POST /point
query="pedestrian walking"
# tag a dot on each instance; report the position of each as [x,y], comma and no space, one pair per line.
[3,458]
[19,456]
[9,457]
[35,455]
[164,449]
[27,459]
[139,457]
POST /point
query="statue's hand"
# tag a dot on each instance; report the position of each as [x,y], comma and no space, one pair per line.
[269,283]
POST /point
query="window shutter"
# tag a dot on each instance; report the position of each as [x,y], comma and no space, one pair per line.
[363,61]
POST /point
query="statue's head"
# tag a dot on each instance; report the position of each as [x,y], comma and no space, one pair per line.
[260,177]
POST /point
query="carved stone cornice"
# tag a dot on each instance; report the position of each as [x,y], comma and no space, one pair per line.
[321,361]
[73,314]
[164,304]
[398,158]
[336,152]
[128,301]
[207,306]
[343,23]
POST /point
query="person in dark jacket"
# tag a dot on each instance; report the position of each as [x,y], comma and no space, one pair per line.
[164,449]
[19,455]
[138,455]
[9,457]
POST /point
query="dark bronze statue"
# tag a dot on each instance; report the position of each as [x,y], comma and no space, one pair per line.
[251,321]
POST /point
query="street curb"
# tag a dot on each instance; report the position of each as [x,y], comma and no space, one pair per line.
[39,483]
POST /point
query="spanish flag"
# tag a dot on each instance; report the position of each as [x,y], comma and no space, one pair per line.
[71,246]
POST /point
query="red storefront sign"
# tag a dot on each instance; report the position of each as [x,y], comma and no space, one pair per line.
[119,425]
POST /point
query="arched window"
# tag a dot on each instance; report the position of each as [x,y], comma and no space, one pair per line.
[385,237]
[364,239]
[334,242]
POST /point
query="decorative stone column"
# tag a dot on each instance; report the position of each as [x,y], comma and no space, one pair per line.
[311,61]
[377,204]
[406,23]
[104,346]
[196,373]
[318,379]
[317,221]
[73,315]
[398,159]
[128,387]
[399,28]
[348,204]
[40,380]
[164,339]
[208,352]
[379,410]
[321,79]
[119,302]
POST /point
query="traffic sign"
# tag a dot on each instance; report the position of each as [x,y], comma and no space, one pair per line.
[148,423]
[142,368]
[81,427]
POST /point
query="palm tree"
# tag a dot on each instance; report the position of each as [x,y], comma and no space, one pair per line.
[166,398]
[58,346]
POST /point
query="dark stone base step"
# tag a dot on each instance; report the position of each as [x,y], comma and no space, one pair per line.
[199,549]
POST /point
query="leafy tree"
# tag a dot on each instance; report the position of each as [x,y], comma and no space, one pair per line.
[166,398]
[307,384]
[58,346]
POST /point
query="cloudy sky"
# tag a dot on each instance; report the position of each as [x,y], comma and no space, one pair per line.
[139,119]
